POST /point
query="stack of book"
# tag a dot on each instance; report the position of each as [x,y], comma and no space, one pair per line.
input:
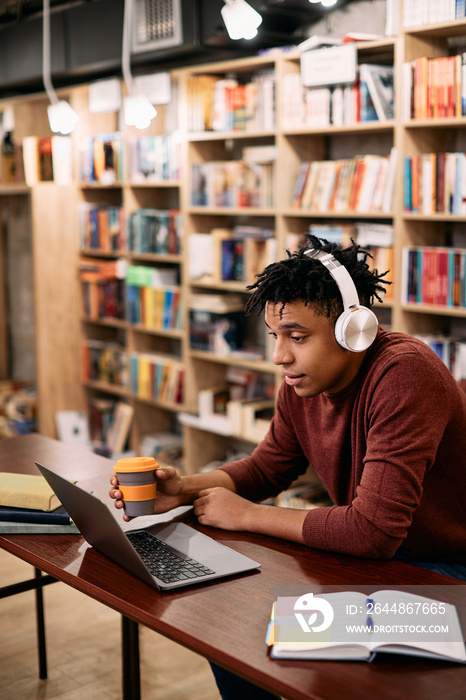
[28,505]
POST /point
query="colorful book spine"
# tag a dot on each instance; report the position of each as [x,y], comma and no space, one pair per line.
[434,276]
[155,377]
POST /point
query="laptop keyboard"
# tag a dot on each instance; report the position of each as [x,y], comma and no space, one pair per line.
[163,561]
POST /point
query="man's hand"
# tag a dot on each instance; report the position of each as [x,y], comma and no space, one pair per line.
[169,491]
[222,508]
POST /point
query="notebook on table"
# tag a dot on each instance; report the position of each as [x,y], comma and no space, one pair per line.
[165,555]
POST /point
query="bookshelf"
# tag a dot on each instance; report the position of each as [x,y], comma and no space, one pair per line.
[432,223]
[63,327]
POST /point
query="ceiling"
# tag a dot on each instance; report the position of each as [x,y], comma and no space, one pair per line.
[296,11]
[81,51]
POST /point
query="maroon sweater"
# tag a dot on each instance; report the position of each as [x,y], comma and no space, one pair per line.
[390,449]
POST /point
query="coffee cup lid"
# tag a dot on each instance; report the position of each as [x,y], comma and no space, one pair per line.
[135,464]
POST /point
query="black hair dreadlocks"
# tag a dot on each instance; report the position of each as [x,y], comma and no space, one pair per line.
[299,277]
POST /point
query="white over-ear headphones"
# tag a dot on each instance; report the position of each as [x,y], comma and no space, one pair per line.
[356,327]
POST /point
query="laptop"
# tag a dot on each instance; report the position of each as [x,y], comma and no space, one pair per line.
[164,555]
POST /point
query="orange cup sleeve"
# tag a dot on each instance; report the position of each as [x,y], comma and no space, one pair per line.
[138,493]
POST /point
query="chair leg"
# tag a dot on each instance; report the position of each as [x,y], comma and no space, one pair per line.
[40,627]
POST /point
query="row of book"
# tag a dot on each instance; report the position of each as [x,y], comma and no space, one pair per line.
[419,13]
[103,288]
[153,298]
[435,182]
[101,159]
[370,98]
[154,159]
[434,275]
[223,254]
[434,88]
[109,425]
[155,231]
[156,377]
[232,184]
[105,362]
[452,351]
[216,322]
[363,184]
[221,104]
[46,159]
[101,227]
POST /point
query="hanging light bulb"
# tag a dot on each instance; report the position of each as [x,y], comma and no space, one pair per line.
[241,20]
[62,116]
[329,3]
[138,111]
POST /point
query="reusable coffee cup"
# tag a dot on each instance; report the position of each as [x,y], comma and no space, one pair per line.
[136,481]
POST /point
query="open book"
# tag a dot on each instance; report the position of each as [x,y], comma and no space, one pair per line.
[350,625]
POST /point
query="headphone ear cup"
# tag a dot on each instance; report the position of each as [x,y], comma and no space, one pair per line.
[356,329]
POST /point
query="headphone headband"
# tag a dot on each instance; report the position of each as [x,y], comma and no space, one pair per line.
[341,276]
[356,327]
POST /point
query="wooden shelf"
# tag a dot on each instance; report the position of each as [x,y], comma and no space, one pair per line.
[108,388]
[257,365]
[358,127]
[435,310]
[14,188]
[336,215]
[233,211]
[446,29]
[195,137]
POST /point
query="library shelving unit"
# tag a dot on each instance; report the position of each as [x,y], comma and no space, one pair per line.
[437,127]
[9,194]
[291,144]
[135,340]
[55,286]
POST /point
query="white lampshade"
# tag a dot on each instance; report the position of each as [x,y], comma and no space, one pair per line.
[138,111]
[241,20]
[62,117]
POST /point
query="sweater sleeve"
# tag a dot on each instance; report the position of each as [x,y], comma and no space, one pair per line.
[405,421]
[275,463]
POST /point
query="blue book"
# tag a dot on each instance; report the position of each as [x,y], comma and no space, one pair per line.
[31,515]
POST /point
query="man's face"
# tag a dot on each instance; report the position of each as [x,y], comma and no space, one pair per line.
[311,359]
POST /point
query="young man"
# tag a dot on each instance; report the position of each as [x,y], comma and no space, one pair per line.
[384,428]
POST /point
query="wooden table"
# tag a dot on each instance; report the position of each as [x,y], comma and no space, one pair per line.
[226,621]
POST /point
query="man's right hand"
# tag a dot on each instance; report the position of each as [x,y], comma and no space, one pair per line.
[169,491]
